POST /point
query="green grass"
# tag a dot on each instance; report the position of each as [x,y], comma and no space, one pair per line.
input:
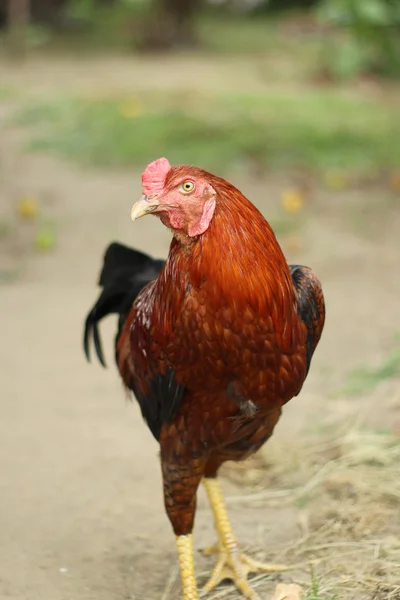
[7,93]
[314,591]
[367,379]
[313,129]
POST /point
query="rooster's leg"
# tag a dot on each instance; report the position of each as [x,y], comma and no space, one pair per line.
[184,544]
[232,563]
[182,474]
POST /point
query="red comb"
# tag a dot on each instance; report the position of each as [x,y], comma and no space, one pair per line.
[153,177]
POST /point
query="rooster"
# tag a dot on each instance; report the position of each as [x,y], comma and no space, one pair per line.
[212,342]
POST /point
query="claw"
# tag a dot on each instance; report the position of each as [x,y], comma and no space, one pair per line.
[210,550]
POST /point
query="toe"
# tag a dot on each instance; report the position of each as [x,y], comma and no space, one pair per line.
[246,590]
[210,550]
[220,572]
[256,566]
[236,566]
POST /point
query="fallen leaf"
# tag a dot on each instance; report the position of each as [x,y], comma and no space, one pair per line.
[287,591]
[28,207]
[335,180]
[131,108]
[45,239]
[292,200]
[395,182]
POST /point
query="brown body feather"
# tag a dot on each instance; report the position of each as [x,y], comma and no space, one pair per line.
[223,317]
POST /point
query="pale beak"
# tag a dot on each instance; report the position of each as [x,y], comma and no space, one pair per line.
[144,207]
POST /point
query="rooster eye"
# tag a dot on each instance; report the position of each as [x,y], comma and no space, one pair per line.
[187,186]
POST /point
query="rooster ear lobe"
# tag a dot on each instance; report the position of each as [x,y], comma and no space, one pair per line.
[201,225]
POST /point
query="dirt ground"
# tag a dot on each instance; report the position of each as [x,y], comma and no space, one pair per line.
[81,509]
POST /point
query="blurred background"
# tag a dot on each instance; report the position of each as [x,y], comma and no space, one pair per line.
[297,104]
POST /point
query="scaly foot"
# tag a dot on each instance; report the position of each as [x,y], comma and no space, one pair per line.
[236,565]
[232,563]
[184,545]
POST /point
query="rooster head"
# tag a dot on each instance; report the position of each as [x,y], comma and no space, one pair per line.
[182,197]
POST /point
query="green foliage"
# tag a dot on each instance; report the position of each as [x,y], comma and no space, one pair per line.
[314,592]
[239,34]
[82,9]
[371,40]
[90,10]
[318,130]
[38,35]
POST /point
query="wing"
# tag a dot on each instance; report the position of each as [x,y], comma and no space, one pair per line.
[161,400]
[311,306]
[144,368]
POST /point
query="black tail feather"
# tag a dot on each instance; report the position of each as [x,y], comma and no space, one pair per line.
[125,272]
[119,258]
[108,303]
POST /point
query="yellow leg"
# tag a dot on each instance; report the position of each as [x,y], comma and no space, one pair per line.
[184,544]
[232,563]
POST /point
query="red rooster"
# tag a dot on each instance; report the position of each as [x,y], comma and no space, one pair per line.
[212,343]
